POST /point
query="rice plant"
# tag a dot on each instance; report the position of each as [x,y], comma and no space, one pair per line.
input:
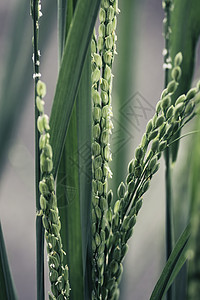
[85,225]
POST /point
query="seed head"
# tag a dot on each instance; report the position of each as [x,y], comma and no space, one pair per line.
[121,190]
[41,89]
[191,93]
[176,73]
[178,59]
[155,145]
[172,86]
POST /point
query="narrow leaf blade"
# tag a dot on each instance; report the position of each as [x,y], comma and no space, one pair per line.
[78,40]
[172,267]
[193,290]
[62,7]
[85,165]
[69,209]
[7,289]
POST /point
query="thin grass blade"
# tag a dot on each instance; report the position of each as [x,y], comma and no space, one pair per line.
[193,290]
[69,208]
[74,55]
[85,166]
[7,288]
[62,8]
[173,266]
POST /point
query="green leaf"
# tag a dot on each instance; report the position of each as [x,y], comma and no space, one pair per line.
[85,166]
[65,15]
[185,26]
[62,8]
[123,89]
[7,289]
[69,208]
[74,186]
[78,40]
[175,262]
[68,183]
[74,179]
[194,262]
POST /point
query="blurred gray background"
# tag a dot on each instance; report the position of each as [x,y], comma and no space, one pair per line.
[146,254]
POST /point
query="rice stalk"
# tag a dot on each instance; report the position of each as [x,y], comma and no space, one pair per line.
[58,273]
[168,6]
[102,50]
[112,223]
[112,220]
[36,14]
[160,131]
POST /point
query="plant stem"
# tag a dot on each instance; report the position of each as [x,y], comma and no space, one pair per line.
[169,210]
[39,226]
[62,5]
